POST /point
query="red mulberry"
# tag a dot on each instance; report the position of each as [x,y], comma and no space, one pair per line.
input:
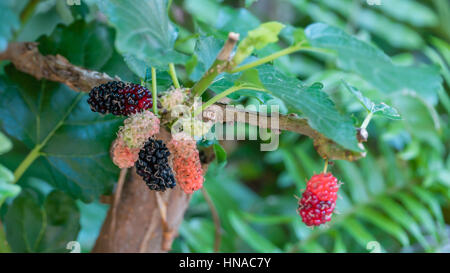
[153,166]
[186,163]
[319,199]
[120,98]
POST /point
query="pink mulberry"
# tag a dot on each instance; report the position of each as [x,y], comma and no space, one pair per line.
[186,162]
[122,155]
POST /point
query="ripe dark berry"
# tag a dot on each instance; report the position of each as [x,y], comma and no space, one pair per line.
[120,98]
[319,199]
[153,165]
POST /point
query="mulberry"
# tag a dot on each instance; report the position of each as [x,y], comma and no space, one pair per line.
[319,199]
[138,128]
[120,98]
[122,155]
[173,98]
[186,162]
[153,165]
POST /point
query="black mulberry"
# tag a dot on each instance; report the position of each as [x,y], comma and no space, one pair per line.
[120,98]
[153,165]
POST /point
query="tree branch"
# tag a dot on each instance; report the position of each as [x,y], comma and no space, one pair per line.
[26,57]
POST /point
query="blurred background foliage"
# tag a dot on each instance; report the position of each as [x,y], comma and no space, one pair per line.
[398,196]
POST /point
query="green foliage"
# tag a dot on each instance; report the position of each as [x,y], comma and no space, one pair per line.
[143,30]
[48,227]
[10,23]
[257,38]
[373,65]
[390,60]
[380,109]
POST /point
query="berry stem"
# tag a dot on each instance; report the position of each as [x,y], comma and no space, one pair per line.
[173,75]
[31,157]
[367,120]
[326,166]
[154,92]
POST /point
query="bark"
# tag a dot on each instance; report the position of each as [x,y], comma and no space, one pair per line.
[138,220]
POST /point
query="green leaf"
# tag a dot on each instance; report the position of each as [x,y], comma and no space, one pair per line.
[10,22]
[199,234]
[206,50]
[257,39]
[74,142]
[143,30]
[419,211]
[221,154]
[384,223]
[381,109]
[32,227]
[418,14]
[432,204]
[358,232]
[217,20]
[63,222]
[373,65]
[24,223]
[7,189]
[313,104]
[397,212]
[250,236]
[5,144]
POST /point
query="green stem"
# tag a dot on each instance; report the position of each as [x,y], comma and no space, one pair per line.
[173,75]
[28,11]
[367,120]
[223,95]
[207,79]
[154,92]
[276,55]
[35,153]
[267,59]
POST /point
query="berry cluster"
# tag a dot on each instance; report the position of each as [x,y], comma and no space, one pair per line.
[186,162]
[120,98]
[153,165]
[319,199]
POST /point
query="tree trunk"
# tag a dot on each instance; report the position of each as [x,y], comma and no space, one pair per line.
[138,224]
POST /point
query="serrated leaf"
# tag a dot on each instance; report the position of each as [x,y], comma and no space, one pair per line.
[74,142]
[34,227]
[380,109]
[313,104]
[143,30]
[373,65]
